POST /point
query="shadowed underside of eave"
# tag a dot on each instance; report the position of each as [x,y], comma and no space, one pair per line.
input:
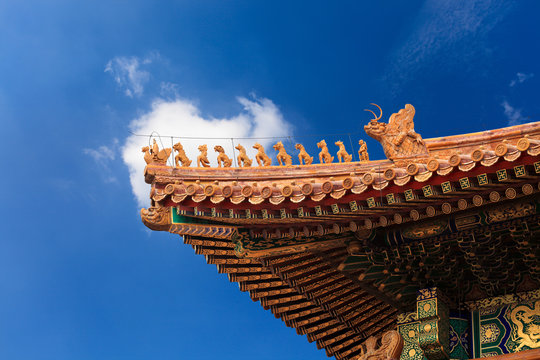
[307,292]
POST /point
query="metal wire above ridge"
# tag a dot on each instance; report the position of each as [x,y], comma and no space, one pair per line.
[242,138]
[288,140]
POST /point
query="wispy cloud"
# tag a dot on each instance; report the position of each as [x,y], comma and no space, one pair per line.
[100,155]
[260,117]
[168,90]
[513,115]
[453,31]
[520,78]
[103,156]
[128,72]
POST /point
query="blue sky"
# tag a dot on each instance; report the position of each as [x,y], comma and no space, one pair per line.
[80,276]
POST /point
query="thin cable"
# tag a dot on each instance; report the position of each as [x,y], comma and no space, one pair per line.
[172,152]
[241,138]
[292,144]
[233,153]
[156,134]
[352,147]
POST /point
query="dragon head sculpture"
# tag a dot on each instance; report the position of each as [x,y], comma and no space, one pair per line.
[398,138]
[156,218]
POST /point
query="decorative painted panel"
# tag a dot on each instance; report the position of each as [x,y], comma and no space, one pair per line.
[506,329]
[408,328]
[459,345]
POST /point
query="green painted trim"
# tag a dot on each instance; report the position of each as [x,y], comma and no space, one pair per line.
[182,219]
[476,333]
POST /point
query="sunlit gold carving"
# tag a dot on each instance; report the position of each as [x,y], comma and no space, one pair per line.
[512,211]
[454,160]
[282,156]
[342,154]
[261,157]
[412,169]
[155,155]
[222,157]
[156,218]
[371,111]
[526,325]
[398,137]
[433,164]
[303,155]
[181,157]
[523,144]
[391,345]
[147,154]
[424,230]
[202,159]
[362,152]
[324,155]
[243,159]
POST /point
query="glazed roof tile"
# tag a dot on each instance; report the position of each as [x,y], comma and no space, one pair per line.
[338,250]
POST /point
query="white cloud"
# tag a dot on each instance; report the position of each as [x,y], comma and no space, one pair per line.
[520,78]
[513,115]
[100,155]
[103,156]
[260,118]
[127,73]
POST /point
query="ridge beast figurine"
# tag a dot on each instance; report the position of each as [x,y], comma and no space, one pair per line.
[202,159]
[243,159]
[398,138]
[282,156]
[261,157]
[303,155]
[342,154]
[324,155]
[222,157]
[181,157]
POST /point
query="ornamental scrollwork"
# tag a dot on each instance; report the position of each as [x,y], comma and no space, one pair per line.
[156,218]
[398,138]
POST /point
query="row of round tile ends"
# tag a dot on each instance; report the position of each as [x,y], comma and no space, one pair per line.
[430,211]
[400,176]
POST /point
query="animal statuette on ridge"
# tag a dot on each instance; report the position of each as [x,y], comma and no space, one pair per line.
[324,155]
[282,156]
[362,152]
[181,157]
[222,157]
[398,138]
[303,155]
[202,159]
[147,154]
[261,157]
[243,159]
[342,154]
[155,155]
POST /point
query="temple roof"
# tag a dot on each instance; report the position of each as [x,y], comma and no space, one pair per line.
[337,250]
